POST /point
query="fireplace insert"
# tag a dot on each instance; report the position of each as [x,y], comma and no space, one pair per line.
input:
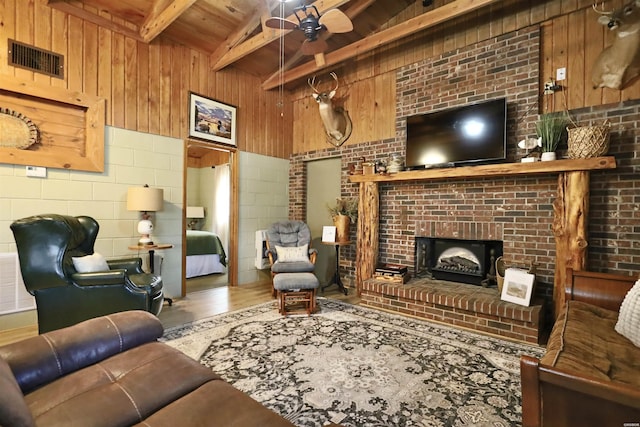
[456,260]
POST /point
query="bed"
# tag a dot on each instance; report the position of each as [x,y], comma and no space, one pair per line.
[205,254]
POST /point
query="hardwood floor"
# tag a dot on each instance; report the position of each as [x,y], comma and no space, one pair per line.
[202,304]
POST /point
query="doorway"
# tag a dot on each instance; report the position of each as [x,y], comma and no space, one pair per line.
[209,225]
[323,187]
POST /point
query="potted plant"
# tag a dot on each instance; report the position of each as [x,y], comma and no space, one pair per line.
[550,129]
[343,212]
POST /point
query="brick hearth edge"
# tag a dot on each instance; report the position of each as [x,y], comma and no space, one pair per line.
[467,306]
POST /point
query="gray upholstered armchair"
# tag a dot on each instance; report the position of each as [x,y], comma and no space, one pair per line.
[51,247]
[289,248]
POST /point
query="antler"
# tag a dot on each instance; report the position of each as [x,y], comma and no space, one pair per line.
[311,82]
[604,12]
[601,12]
[335,77]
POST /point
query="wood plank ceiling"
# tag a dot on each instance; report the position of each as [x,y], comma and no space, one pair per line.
[232,32]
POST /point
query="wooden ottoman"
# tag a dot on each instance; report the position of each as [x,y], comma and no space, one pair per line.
[296,289]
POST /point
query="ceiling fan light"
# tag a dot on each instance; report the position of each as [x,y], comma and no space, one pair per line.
[310,27]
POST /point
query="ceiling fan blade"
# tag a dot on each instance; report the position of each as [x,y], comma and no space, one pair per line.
[336,21]
[280,23]
[313,47]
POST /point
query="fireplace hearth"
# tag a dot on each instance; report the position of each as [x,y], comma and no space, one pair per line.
[456,260]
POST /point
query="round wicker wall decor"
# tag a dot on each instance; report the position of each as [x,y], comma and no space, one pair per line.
[17,130]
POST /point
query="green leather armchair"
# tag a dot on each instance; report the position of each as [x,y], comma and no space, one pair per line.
[46,245]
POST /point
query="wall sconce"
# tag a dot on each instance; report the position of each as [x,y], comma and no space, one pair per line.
[195,213]
[145,199]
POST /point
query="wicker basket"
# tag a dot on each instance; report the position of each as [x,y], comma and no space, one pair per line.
[501,269]
[17,130]
[588,141]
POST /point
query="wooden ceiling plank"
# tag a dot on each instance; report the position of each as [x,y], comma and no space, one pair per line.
[239,35]
[158,21]
[78,12]
[264,38]
[266,6]
[406,28]
[357,7]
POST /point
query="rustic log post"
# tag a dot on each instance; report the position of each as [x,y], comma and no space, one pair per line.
[368,232]
[571,212]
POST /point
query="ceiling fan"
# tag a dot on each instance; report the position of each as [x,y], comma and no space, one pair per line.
[312,24]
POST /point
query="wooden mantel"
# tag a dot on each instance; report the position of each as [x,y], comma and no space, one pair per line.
[571,209]
[498,169]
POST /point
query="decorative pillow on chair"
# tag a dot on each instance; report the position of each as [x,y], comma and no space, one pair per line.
[90,263]
[293,254]
[628,324]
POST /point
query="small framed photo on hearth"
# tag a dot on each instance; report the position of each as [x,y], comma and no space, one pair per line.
[518,286]
[329,233]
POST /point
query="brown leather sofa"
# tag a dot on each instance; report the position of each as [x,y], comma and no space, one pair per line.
[590,374]
[110,371]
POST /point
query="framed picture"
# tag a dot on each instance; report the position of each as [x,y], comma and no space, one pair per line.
[211,120]
[329,233]
[518,286]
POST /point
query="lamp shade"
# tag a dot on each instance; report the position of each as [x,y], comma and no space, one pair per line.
[195,212]
[145,199]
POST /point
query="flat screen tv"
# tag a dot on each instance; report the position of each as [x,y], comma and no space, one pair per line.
[474,133]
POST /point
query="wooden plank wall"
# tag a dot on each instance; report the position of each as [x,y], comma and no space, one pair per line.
[575,40]
[146,85]
[370,103]
[570,37]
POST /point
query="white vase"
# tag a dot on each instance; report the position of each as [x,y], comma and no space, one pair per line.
[548,155]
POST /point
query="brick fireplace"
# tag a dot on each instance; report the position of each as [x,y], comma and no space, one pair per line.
[457,260]
[514,209]
[452,285]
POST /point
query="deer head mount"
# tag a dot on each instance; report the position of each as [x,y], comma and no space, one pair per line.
[336,120]
[619,64]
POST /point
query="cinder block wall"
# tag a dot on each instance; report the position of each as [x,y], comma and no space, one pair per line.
[263,201]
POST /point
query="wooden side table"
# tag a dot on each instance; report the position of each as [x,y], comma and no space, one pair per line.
[152,250]
[336,276]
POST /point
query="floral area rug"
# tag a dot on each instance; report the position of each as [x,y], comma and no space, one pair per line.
[360,367]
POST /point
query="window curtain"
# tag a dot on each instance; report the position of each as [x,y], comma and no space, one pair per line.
[222,204]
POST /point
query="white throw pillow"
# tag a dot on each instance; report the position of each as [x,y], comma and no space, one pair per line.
[628,324]
[90,263]
[293,254]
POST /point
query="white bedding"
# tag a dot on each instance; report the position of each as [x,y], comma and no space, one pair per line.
[201,265]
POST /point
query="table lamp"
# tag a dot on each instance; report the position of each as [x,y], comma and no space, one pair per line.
[194,213]
[145,199]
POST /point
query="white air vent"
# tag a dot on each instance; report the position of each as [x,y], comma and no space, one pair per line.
[13,295]
[34,59]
